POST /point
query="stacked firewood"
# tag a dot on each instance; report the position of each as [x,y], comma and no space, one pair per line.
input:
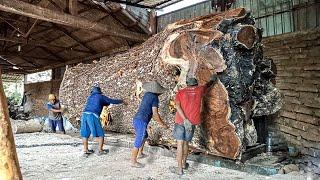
[227,44]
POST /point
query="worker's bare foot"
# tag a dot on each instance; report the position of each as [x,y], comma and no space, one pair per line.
[176,170]
[137,165]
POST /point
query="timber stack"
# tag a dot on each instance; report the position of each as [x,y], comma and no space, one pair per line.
[227,44]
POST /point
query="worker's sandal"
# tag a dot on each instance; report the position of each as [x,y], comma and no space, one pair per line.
[141,156]
[103,152]
[186,166]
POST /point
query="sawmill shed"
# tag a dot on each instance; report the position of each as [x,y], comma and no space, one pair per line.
[266,53]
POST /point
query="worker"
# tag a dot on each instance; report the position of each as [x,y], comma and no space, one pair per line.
[148,109]
[55,114]
[188,104]
[90,121]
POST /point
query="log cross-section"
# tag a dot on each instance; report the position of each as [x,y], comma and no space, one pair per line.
[29,10]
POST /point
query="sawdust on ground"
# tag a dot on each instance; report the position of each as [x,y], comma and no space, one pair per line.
[56,156]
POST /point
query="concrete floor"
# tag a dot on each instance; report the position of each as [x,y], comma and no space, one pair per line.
[56,156]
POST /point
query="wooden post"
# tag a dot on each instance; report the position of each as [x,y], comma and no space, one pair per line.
[73,7]
[9,164]
[152,22]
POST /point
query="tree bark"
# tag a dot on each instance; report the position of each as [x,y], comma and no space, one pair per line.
[9,164]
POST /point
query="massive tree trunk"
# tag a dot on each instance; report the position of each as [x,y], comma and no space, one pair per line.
[21,126]
[227,44]
[9,164]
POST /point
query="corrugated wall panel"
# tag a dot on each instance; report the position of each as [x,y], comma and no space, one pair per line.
[274,16]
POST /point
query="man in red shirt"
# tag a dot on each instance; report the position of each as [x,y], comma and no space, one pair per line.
[188,103]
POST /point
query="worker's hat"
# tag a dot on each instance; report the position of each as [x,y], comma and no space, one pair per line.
[153,87]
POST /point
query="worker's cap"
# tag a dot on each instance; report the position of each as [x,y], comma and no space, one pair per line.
[51,97]
[153,87]
[192,82]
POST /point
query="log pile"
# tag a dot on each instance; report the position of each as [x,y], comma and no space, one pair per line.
[227,44]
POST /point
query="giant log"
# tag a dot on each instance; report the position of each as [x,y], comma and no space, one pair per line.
[227,44]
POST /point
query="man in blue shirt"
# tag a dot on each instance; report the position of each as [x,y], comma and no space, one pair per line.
[148,108]
[90,121]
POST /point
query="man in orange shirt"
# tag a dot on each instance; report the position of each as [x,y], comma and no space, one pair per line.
[188,103]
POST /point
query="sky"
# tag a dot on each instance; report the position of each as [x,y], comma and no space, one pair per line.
[179,5]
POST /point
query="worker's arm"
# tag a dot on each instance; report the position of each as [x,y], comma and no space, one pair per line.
[157,117]
[179,110]
[56,110]
[108,100]
[50,108]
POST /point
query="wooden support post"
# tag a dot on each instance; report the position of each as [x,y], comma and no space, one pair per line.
[73,7]
[9,164]
[29,10]
[152,22]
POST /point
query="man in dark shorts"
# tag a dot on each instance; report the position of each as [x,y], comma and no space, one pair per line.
[188,103]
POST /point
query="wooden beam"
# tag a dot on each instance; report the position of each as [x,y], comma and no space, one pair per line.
[30,62]
[9,164]
[136,1]
[59,5]
[60,59]
[30,42]
[82,59]
[73,7]
[75,38]
[128,3]
[33,60]
[29,10]
[34,43]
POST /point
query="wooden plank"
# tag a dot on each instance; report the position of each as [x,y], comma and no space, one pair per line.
[29,10]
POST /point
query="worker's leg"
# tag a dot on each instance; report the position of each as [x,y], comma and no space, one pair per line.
[52,125]
[100,142]
[140,130]
[85,132]
[141,148]
[97,132]
[179,135]
[188,138]
[185,153]
[60,126]
[141,154]
[85,144]
[180,154]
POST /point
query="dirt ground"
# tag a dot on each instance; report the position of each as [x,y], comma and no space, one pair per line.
[56,156]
